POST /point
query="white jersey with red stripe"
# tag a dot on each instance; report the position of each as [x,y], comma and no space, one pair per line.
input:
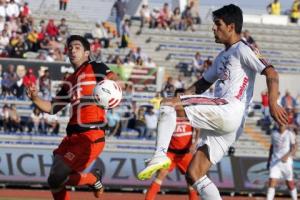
[234,71]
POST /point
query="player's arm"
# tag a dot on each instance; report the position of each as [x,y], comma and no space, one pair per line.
[277,112]
[42,104]
[198,87]
[195,139]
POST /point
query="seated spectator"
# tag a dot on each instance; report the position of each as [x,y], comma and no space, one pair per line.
[176,22]
[139,54]
[295,12]
[150,63]
[12,10]
[188,19]
[29,78]
[164,17]
[5,114]
[140,124]
[139,62]
[101,33]
[45,85]
[14,119]
[4,42]
[287,101]
[168,88]
[63,30]
[154,18]
[33,41]
[155,101]
[51,124]
[179,83]
[51,29]
[195,13]
[37,122]
[25,10]
[2,9]
[145,16]
[113,123]
[151,120]
[197,64]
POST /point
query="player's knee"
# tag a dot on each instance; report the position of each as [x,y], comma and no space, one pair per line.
[190,176]
[290,185]
[55,181]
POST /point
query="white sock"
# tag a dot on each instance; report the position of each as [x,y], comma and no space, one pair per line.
[293,194]
[270,193]
[207,189]
[166,127]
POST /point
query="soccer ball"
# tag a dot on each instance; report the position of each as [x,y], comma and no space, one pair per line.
[107,94]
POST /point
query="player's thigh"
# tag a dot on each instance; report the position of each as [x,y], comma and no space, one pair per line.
[275,171]
[273,182]
[199,165]
[205,113]
[287,171]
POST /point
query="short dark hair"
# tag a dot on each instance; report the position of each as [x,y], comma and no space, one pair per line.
[230,14]
[82,40]
[179,90]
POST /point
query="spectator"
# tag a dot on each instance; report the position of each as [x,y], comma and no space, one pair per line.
[120,9]
[113,123]
[140,124]
[14,119]
[176,22]
[51,124]
[4,41]
[295,12]
[145,15]
[2,9]
[139,54]
[25,10]
[12,10]
[188,19]
[5,114]
[287,101]
[45,85]
[51,28]
[154,18]
[37,122]
[151,120]
[150,63]
[168,88]
[155,101]
[125,34]
[63,30]
[195,13]
[274,8]
[164,17]
[179,83]
[63,4]
[101,33]
[265,104]
[197,64]
[32,41]
[29,78]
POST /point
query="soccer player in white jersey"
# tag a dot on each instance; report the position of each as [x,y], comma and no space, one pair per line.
[220,118]
[280,163]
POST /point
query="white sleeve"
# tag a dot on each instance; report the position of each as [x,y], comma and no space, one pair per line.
[251,58]
[292,138]
[211,74]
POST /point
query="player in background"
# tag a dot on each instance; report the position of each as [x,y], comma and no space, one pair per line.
[181,149]
[85,136]
[221,117]
[280,162]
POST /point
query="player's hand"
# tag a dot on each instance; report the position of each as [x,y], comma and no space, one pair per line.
[284,158]
[32,91]
[193,148]
[279,114]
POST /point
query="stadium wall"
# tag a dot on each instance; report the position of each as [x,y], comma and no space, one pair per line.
[25,165]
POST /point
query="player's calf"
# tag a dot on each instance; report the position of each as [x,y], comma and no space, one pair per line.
[97,187]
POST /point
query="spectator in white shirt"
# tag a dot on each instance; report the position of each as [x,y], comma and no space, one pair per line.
[100,32]
[2,9]
[179,83]
[151,120]
[150,63]
[12,9]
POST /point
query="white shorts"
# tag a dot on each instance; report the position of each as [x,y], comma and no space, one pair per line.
[282,170]
[220,121]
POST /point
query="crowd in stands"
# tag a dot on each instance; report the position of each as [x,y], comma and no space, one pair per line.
[274,8]
[166,19]
[289,103]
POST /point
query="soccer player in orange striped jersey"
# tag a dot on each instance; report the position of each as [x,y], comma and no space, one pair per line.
[182,146]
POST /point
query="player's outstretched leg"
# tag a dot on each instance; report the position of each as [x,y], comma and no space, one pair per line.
[97,187]
[166,127]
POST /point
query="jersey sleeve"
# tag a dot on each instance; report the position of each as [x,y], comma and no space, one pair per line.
[251,58]
[211,74]
[101,71]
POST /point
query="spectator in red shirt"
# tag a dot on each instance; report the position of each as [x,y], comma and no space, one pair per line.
[51,28]
[25,10]
[29,78]
[265,104]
